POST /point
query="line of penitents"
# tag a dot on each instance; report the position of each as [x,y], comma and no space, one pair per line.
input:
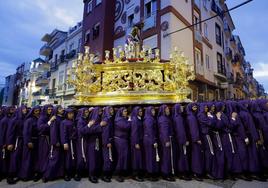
[215,140]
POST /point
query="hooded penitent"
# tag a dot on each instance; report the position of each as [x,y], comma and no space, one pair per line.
[136,139]
[165,136]
[121,140]
[149,139]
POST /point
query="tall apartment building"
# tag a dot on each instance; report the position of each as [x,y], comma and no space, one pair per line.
[9,90]
[62,49]
[35,90]
[68,50]
[217,54]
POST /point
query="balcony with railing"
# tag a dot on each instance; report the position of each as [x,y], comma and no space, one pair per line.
[199,68]
[70,55]
[41,93]
[43,79]
[198,36]
[239,82]
[230,78]
[227,30]
[61,59]
[54,66]
[52,93]
[45,50]
[150,22]
[236,59]
[216,10]
[232,41]
[228,53]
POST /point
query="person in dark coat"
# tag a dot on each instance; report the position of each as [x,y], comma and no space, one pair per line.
[92,132]
[137,143]
[263,104]
[4,155]
[197,153]
[122,126]
[68,136]
[150,143]
[262,129]
[81,149]
[43,125]
[15,143]
[181,140]
[207,122]
[2,112]
[240,139]
[29,165]
[165,130]
[107,124]
[54,169]
[216,136]
[254,166]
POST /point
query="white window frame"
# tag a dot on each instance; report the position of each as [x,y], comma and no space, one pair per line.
[207,62]
[98,2]
[128,23]
[152,12]
[87,33]
[206,30]
[89,6]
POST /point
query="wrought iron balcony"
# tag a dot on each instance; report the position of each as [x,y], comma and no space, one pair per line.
[45,50]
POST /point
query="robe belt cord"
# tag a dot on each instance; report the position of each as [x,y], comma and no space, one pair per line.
[231,142]
[210,144]
[72,149]
[218,140]
[171,155]
[261,138]
[83,150]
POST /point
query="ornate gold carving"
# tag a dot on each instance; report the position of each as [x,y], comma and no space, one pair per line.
[143,79]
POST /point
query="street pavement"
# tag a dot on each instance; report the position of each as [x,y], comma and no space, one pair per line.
[129,183]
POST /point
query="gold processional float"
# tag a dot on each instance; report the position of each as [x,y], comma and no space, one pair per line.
[131,76]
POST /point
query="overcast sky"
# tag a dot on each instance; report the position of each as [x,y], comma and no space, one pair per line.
[24,22]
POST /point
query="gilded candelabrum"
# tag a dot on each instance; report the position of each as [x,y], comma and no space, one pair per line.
[130,76]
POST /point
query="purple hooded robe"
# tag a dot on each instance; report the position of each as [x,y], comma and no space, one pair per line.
[216,136]
[29,165]
[121,140]
[197,153]
[14,137]
[206,124]
[107,138]
[81,146]
[180,137]
[68,135]
[136,138]
[93,142]
[165,135]
[55,166]
[149,139]
[4,155]
[44,140]
[252,134]
[262,129]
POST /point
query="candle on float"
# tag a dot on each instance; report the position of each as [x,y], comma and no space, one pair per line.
[157,53]
[74,64]
[80,56]
[107,54]
[114,51]
[149,52]
[91,57]
[87,49]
